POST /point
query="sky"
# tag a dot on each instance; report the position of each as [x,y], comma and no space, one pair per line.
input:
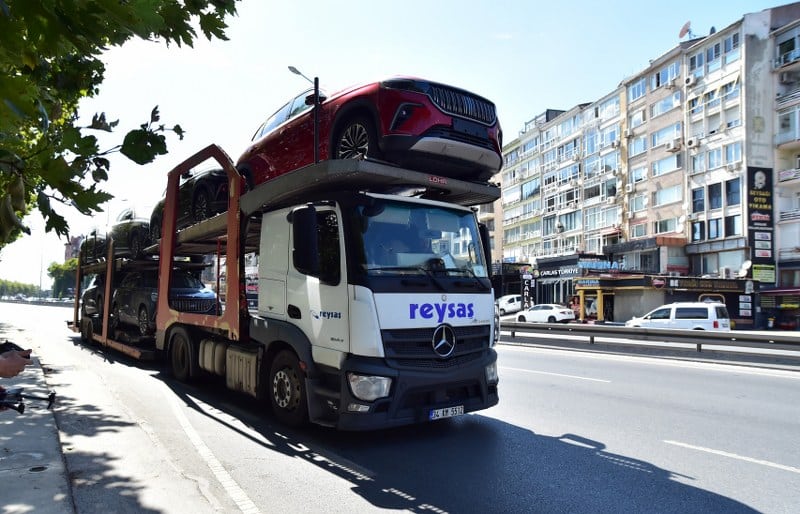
[524,55]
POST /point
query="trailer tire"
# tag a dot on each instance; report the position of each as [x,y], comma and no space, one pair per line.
[287,390]
[183,358]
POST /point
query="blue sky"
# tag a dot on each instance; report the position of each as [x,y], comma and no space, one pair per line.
[525,55]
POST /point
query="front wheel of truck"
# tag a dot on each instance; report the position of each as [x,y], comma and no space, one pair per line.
[287,390]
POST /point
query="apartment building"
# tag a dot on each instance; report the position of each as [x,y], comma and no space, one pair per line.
[682,181]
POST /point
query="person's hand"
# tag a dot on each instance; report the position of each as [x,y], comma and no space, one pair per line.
[13,362]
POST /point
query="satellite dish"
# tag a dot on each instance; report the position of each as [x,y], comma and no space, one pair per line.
[747,264]
[679,227]
[682,218]
[686,29]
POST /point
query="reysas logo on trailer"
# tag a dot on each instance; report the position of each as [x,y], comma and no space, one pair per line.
[441,310]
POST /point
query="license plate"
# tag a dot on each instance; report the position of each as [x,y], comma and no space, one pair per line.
[447,412]
[470,128]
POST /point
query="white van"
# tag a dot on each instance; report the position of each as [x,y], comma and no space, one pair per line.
[509,303]
[686,315]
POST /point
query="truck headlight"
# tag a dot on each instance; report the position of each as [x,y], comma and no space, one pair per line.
[369,388]
[491,373]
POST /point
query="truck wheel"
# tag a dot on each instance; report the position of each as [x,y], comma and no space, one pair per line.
[182,355]
[288,390]
[137,244]
[113,320]
[357,139]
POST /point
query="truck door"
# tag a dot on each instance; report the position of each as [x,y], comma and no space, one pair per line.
[319,303]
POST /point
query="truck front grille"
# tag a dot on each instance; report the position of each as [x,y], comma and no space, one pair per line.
[413,348]
[460,103]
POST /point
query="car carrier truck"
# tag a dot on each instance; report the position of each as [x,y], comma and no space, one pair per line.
[375,308]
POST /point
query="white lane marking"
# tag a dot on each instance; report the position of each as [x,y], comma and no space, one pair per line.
[235,492]
[557,374]
[716,366]
[735,456]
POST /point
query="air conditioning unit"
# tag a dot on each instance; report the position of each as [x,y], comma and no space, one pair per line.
[692,142]
[787,77]
[614,144]
[628,188]
[674,146]
[672,83]
[692,216]
[628,214]
[674,273]
[610,200]
[629,132]
[724,272]
[570,205]
[690,80]
[573,182]
[732,167]
[536,212]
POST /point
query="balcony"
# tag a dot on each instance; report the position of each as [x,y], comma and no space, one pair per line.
[788,175]
[790,215]
[787,140]
[787,59]
[789,254]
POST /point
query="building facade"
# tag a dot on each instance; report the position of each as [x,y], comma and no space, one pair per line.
[689,168]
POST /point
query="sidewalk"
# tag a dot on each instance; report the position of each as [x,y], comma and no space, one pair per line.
[32,471]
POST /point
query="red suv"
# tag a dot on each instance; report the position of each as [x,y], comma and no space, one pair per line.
[410,122]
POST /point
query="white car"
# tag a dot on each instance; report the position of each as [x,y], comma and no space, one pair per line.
[509,303]
[686,315]
[547,313]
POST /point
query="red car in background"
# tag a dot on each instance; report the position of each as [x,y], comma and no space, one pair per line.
[410,122]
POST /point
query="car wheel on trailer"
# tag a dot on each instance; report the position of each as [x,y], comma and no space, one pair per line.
[551,319]
[357,139]
[521,319]
[155,228]
[201,209]
[113,320]
[144,321]
[288,390]
[136,244]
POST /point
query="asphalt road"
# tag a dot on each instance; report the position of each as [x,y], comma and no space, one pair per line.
[574,432]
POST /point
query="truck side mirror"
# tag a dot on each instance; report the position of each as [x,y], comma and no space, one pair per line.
[305,250]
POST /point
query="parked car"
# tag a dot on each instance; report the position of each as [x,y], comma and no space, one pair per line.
[410,122]
[686,315]
[509,303]
[547,313]
[92,299]
[134,300]
[201,195]
[131,233]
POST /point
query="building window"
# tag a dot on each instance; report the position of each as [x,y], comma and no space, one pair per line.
[663,76]
[711,99]
[786,52]
[638,203]
[712,56]
[698,231]
[698,163]
[733,225]
[715,228]
[665,135]
[715,196]
[695,105]
[639,174]
[730,47]
[667,195]
[698,200]
[696,64]
[733,194]
[667,164]
[637,89]
[638,230]
[730,91]
[714,158]
[637,146]
[733,152]
[664,226]
[636,119]
[665,105]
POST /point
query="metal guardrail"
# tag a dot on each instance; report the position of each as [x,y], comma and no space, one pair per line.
[744,339]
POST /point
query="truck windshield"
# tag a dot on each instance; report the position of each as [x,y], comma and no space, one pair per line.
[404,238]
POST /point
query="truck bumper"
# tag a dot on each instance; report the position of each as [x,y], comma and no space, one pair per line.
[416,393]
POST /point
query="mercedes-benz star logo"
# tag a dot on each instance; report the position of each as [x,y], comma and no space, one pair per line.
[444,341]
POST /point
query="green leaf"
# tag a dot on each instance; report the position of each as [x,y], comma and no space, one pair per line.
[142,146]
[154,116]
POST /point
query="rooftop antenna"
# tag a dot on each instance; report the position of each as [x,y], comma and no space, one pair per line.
[686,29]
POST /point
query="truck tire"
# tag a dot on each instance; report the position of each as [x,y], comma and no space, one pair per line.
[86,330]
[288,390]
[183,358]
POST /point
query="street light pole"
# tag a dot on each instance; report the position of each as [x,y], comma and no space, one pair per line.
[316,110]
